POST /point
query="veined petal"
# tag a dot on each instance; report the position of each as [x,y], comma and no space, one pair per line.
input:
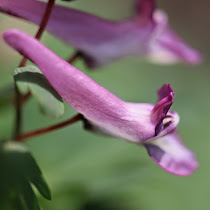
[170,154]
[79,90]
[101,41]
[103,110]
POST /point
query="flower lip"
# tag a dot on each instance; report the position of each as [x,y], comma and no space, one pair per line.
[160,116]
[167,47]
[177,48]
[171,154]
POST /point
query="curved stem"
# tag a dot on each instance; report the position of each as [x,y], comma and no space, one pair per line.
[72,59]
[42,131]
[45,18]
[42,26]
[19,97]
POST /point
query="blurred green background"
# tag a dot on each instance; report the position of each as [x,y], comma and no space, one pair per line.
[86,171]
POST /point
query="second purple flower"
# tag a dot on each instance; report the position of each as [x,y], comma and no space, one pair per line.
[102,41]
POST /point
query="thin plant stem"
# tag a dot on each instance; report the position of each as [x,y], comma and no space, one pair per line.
[42,131]
[19,97]
[42,26]
[73,58]
[18,118]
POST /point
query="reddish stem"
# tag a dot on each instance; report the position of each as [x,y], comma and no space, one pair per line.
[45,18]
[18,118]
[73,58]
[42,26]
[41,131]
[19,97]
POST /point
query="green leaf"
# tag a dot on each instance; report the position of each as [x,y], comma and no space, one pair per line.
[31,79]
[7,94]
[19,171]
[30,199]
[38,180]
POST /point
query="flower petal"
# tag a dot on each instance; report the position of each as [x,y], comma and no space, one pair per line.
[145,9]
[170,154]
[167,47]
[159,112]
[76,88]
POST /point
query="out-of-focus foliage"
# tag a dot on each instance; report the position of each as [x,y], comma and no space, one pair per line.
[7,95]
[18,171]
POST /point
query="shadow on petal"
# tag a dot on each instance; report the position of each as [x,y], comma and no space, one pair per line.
[171,154]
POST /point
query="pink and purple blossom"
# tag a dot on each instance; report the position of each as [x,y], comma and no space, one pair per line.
[152,126]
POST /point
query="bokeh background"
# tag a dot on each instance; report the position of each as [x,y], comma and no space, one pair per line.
[86,171]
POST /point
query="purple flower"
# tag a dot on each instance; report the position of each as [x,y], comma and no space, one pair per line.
[101,41]
[144,124]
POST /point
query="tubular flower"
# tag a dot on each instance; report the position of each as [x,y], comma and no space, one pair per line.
[101,41]
[144,124]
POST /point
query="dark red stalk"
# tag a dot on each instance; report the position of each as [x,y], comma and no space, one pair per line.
[42,26]
[74,57]
[18,99]
[42,131]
